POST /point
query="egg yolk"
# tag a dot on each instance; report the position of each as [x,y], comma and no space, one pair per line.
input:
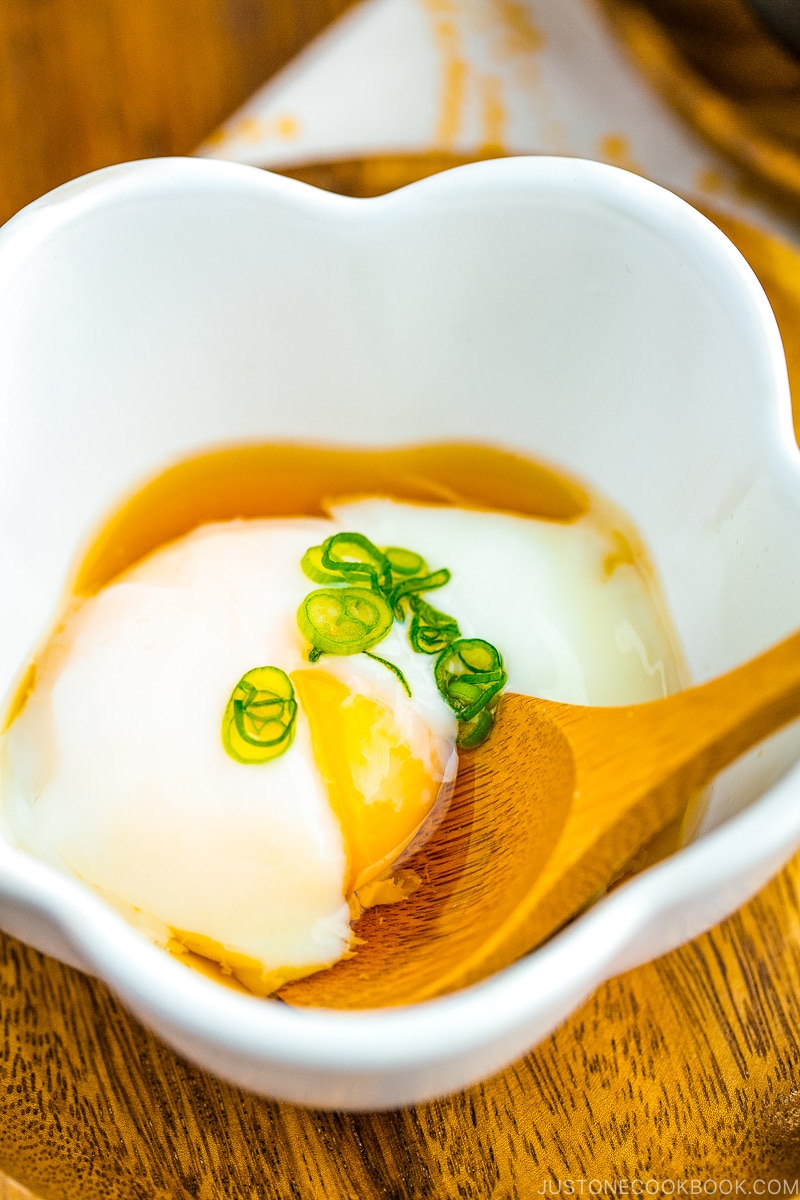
[380,787]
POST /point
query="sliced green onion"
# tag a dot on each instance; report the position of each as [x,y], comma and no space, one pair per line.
[259,719]
[405,562]
[418,583]
[479,656]
[356,558]
[344,620]
[469,673]
[395,670]
[350,619]
[311,563]
[474,732]
[430,631]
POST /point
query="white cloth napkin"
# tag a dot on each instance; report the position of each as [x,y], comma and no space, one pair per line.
[478,76]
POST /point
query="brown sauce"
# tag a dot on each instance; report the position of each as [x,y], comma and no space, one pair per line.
[263,480]
[292,480]
[281,480]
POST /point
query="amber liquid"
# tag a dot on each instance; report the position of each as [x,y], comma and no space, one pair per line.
[270,480]
[281,480]
[294,480]
[291,480]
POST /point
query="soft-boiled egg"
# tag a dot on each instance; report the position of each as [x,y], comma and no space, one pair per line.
[115,769]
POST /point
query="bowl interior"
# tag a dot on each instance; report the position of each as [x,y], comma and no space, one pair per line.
[562,309]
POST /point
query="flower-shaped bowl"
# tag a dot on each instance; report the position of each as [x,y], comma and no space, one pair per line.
[566,310]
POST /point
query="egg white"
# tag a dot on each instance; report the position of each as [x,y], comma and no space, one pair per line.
[569,627]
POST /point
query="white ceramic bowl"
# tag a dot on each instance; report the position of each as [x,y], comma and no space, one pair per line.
[566,309]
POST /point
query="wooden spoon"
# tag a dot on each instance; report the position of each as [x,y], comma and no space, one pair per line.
[544,816]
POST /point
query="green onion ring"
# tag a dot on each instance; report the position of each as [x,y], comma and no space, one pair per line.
[259,719]
[469,674]
[405,562]
[430,630]
[344,620]
[356,558]
[419,583]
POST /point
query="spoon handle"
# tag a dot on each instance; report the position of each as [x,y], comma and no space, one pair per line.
[694,734]
[636,765]
[650,757]
[633,769]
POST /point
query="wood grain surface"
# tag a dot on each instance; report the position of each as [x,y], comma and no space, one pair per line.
[683,1075]
[86,83]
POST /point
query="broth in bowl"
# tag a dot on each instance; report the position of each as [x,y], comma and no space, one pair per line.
[271,657]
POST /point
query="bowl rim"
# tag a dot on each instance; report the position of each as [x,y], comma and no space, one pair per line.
[594,946]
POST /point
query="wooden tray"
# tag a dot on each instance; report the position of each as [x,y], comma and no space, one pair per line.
[687,1069]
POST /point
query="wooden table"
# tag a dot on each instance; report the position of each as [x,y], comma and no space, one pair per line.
[685,1071]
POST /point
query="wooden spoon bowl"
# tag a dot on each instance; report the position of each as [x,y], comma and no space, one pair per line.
[544,816]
